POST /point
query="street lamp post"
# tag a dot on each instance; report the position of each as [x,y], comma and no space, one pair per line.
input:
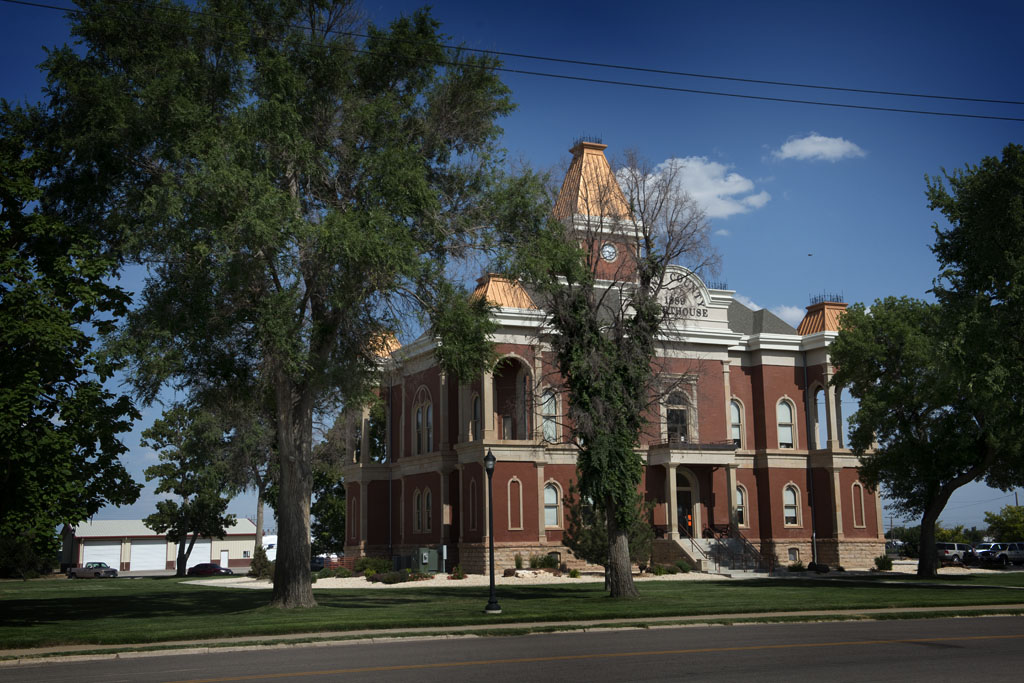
[492,605]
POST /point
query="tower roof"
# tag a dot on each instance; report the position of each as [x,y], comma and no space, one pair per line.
[590,188]
[502,292]
[822,316]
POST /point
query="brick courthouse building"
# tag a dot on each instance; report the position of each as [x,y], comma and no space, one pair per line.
[734,464]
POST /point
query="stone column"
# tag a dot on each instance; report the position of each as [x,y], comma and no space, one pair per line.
[673,505]
[837,503]
[442,413]
[362,513]
[490,432]
[830,409]
[728,400]
[542,535]
[364,436]
[538,374]
[730,483]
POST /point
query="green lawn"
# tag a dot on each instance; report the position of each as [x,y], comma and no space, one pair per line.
[59,612]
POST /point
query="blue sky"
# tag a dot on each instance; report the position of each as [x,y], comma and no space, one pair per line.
[803,199]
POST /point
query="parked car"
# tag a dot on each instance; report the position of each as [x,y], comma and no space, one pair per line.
[1004,553]
[956,553]
[93,570]
[208,569]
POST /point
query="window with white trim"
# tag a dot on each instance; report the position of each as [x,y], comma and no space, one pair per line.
[424,411]
[676,417]
[549,415]
[784,413]
[552,506]
[741,505]
[736,422]
[428,510]
[791,505]
[515,504]
[857,497]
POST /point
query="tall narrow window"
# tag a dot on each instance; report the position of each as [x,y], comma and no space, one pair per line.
[736,422]
[784,411]
[791,506]
[549,412]
[475,427]
[741,506]
[428,509]
[551,506]
[858,504]
[417,506]
[429,443]
[515,504]
[419,430]
[675,417]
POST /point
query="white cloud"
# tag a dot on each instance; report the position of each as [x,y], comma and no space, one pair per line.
[816,147]
[747,301]
[722,232]
[791,314]
[719,191]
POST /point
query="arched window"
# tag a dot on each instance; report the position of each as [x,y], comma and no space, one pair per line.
[515,504]
[741,506]
[475,426]
[791,505]
[428,509]
[424,422]
[417,506]
[784,412]
[857,497]
[552,506]
[549,413]
[736,422]
[675,417]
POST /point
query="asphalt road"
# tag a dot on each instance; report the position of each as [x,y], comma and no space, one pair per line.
[906,651]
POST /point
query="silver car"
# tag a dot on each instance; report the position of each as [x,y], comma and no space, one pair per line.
[1003,553]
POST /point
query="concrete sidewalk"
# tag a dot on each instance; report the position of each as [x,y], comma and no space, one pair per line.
[259,642]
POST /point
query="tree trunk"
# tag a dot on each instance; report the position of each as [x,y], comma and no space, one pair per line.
[928,559]
[259,518]
[292,583]
[620,569]
[184,554]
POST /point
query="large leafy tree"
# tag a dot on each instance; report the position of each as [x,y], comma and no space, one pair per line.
[604,328]
[1007,524]
[192,467]
[294,193]
[59,425]
[913,410]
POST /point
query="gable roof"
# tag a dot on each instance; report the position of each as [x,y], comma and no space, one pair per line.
[747,321]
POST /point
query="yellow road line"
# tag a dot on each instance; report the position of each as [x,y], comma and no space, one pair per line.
[598,655]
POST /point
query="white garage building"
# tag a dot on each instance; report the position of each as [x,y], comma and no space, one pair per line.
[129,545]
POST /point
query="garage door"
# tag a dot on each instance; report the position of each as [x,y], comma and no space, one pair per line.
[102,551]
[149,554]
[200,553]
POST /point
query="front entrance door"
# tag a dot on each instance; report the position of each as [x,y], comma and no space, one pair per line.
[684,508]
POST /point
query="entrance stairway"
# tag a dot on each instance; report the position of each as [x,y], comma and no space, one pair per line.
[727,552]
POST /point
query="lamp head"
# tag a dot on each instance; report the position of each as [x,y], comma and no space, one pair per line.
[489,461]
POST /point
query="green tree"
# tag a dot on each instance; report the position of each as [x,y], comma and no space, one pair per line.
[605,325]
[586,533]
[1007,524]
[293,191]
[190,444]
[914,409]
[328,511]
[59,425]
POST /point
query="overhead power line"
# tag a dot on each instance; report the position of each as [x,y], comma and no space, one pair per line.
[653,86]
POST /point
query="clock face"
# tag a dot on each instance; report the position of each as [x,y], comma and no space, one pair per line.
[609,252]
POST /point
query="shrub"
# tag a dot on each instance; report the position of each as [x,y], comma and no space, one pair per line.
[261,567]
[519,561]
[544,562]
[797,566]
[402,576]
[457,573]
[339,573]
[663,569]
[684,566]
[883,563]
[372,565]
[574,573]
